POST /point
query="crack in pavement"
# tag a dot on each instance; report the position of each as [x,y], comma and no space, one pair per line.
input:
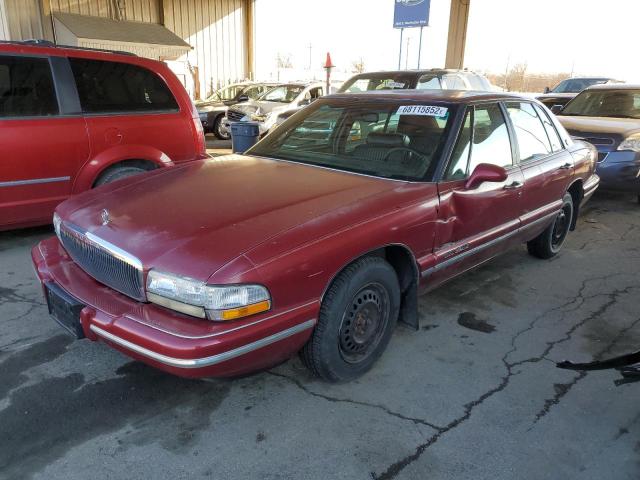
[393,470]
[329,398]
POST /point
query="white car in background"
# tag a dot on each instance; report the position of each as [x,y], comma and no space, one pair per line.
[277,101]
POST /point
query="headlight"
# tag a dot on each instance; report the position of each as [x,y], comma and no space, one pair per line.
[632,142]
[198,299]
[57,221]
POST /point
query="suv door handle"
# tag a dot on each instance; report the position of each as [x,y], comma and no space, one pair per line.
[565,166]
[513,185]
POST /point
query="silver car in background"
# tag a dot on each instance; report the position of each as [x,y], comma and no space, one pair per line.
[278,101]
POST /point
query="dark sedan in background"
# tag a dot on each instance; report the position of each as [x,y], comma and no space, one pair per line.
[213,109]
[608,116]
[567,89]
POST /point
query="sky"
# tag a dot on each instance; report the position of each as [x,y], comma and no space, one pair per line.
[550,36]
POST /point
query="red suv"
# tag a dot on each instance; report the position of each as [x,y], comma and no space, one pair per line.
[72,119]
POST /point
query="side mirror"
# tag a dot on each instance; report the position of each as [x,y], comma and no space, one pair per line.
[243,98]
[305,101]
[547,89]
[485,172]
[556,109]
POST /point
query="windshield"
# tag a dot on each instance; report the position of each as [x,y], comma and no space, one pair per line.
[283,94]
[576,85]
[227,93]
[388,82]
[383,139]
[605,103]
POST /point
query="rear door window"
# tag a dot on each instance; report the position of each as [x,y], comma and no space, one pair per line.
[115,87]
[531,135]
[552,133]
[26,87]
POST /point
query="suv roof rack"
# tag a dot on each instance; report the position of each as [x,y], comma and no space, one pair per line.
[48,43]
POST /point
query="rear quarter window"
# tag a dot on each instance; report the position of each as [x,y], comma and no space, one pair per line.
[115,87]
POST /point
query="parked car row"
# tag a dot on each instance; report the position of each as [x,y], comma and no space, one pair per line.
[319,239]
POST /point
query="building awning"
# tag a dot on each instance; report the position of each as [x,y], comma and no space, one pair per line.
[135,37]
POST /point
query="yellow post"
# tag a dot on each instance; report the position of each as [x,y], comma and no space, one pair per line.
[458,20]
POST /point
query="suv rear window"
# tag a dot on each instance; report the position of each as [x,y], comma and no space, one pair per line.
[114,87]
[26,87]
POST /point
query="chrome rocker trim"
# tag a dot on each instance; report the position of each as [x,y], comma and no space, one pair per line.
[206,361]
[34,181]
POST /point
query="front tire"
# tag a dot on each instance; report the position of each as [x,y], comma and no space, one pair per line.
[217,129]
[357,318]
[116,173]
[548,243]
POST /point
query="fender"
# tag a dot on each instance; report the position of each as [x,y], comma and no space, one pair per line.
[89,172]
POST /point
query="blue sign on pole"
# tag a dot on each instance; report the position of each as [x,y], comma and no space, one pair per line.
[411,13]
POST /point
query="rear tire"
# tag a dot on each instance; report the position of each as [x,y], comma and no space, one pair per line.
[549,243]
[217,129]
[117,173]
[357,318]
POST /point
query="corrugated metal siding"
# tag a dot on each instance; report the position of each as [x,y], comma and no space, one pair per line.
[216,30]
[24,19]
[133,10]
[4,24]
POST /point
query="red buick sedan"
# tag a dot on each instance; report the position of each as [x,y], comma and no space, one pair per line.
[320,238]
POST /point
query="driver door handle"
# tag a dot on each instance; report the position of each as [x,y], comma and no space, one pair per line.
[513,185]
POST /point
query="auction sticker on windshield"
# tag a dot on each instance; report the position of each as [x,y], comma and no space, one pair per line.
[426,110]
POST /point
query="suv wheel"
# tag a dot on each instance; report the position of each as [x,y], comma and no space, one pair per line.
[356,321]
[218,131]
[549,242]
[116,173]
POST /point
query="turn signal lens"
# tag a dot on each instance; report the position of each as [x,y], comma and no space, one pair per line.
[235,313]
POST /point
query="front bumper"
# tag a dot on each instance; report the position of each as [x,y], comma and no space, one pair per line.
[262,126]
[620,170]
[171,341]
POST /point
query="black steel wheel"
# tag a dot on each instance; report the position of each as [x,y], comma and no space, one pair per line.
[357,318]
[218,131]
[549,242]
[363,322]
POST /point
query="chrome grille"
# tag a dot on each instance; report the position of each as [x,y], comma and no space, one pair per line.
[104,262]
[235,116]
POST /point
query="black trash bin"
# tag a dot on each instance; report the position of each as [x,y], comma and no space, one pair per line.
[244,135]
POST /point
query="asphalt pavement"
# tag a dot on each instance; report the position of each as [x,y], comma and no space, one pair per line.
[474,394]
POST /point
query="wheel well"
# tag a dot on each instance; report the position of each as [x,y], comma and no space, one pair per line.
[144,164]
[406,268]
[577,192]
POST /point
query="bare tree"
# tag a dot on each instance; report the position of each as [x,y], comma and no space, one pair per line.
[357,66]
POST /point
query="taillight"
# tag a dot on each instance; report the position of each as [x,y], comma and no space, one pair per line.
[199,138]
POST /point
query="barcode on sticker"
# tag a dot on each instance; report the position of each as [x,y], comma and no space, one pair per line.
[428,110]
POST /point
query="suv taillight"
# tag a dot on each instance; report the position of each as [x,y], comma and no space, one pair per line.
[198,133]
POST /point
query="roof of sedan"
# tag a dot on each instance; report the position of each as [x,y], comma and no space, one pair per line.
[454,96]
[615,86]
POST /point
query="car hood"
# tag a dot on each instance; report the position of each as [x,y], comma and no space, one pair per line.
[196,218]
[261,107]
[599,125]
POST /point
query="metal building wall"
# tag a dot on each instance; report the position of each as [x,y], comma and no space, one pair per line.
[4,24]
[216,29]
[24,19]
[132,10]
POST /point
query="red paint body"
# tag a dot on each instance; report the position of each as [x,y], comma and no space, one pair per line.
[292,228]
[81,147]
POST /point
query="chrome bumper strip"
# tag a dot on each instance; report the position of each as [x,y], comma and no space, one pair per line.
[206,361]
[34,181]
